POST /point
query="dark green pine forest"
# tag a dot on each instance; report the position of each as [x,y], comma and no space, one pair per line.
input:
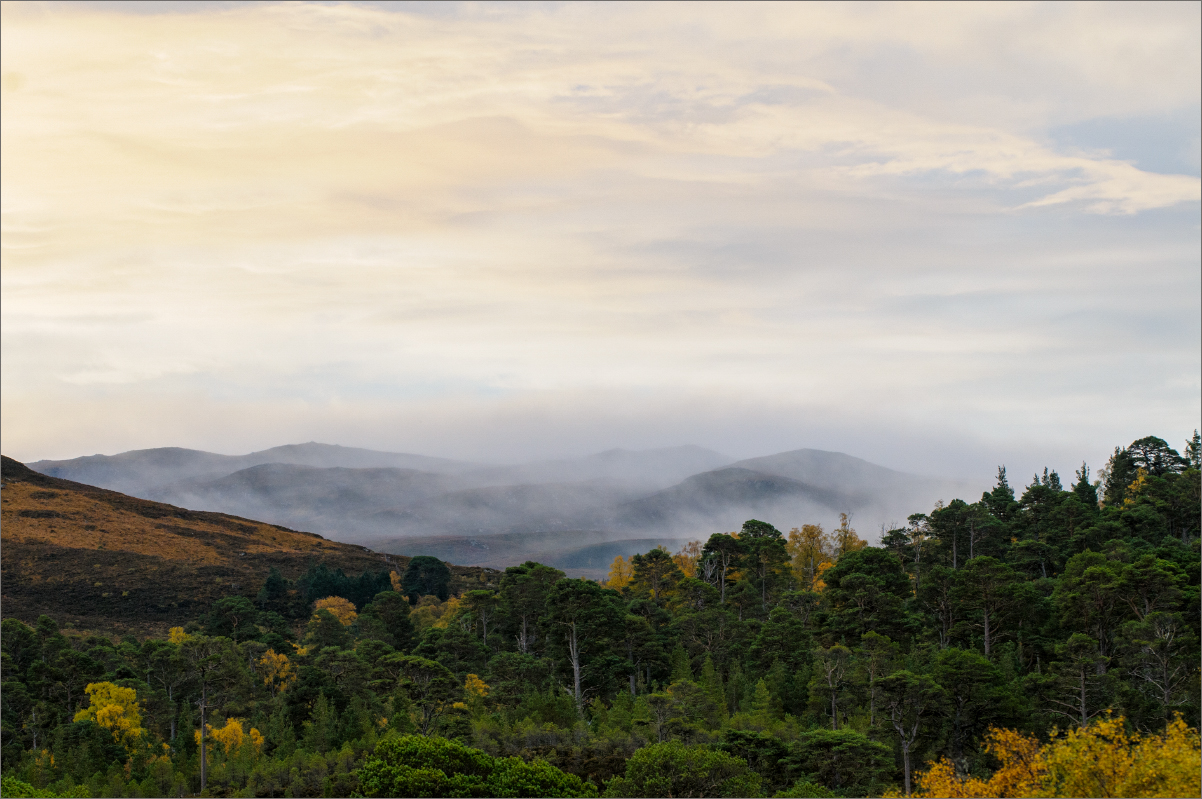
[767,661]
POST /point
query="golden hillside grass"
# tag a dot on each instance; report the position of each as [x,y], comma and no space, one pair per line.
[104,561]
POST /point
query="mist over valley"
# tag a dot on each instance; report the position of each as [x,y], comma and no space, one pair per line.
[576,514]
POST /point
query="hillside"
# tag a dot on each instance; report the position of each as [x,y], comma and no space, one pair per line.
[104,561]
[394,502]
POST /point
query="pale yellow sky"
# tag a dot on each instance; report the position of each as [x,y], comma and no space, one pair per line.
[520,229]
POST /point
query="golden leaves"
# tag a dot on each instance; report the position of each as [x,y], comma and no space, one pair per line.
[343,609]
[231,737]
[116,709]
[1101,760]
[621,571]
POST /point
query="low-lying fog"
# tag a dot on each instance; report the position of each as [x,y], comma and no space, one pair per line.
[577,514]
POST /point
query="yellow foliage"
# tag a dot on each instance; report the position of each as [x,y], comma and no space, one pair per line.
[449,609]
[620,573]
[277,671]
[432,612]
[810,550]
[819,583]
[231,737]
[1136,487]
[475,687]
[176,635]
[114,708]
[688,557]
[395,579]
[1099,760]
[1103,760]
[428,610]
[343,609]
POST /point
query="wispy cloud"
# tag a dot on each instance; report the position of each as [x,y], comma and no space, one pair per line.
[855,215]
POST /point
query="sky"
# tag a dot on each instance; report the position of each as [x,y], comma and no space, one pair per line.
[938,236]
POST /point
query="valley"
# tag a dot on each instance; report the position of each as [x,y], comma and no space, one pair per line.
[570,513]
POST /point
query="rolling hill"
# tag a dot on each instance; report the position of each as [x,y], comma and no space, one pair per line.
[400,503]
[105,561]
[139,471]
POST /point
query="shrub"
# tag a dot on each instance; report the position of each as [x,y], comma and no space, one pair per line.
[678,770]
[413,765]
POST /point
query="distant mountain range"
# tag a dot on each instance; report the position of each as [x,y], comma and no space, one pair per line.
[569,512]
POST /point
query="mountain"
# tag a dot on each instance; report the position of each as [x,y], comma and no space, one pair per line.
[509,509]
[139,471]
[105,561]
[647,469]
[326,500]
[721,500]
[385,498]
[873,494]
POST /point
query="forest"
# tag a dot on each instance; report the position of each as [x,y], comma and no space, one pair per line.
[980,650]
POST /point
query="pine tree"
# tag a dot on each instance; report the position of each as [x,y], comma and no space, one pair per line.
[679,662]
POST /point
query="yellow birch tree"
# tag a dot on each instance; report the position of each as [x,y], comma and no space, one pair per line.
[343,609]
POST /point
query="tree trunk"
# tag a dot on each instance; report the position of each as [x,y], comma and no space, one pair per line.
[203,762]
[725,566]
[985,613]
[574,654]
[834,712]
[1084,717]
[906,762]
[524,636]
[917,566]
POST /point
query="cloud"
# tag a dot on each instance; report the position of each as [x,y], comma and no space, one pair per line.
[331,217]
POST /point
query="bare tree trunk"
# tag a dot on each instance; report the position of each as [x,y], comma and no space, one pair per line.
[574,654]
[985,613]
[524,638]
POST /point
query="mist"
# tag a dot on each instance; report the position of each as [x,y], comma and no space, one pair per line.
[573,513]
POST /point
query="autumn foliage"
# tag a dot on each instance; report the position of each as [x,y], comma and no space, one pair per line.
[1102,760]
[342,609]
[231,737]
[277,671]
[620,573]
[114,708]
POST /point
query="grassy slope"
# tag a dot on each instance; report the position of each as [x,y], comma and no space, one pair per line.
[107,562]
